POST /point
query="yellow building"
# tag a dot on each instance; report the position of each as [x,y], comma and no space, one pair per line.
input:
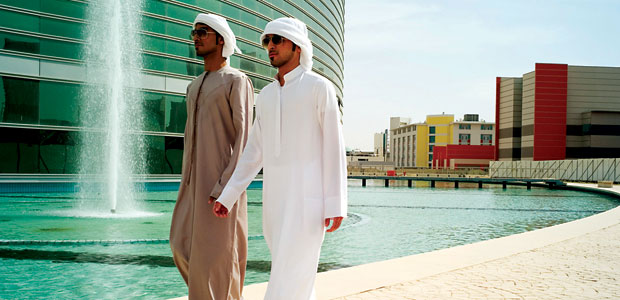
[411,145]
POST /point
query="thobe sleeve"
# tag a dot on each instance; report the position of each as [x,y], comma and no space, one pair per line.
[249,164]
[334,166]
[241,104]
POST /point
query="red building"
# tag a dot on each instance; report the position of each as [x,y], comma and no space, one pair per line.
[462,156]
[557,112]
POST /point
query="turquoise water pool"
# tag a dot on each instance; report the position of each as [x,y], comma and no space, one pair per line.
[128,258]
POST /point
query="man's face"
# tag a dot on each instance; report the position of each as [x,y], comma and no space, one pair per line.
[280,53]
[204,40]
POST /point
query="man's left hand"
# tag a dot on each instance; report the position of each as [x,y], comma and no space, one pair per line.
[335,223]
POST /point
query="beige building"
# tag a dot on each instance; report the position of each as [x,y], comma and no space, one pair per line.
[382,145]
[471,131]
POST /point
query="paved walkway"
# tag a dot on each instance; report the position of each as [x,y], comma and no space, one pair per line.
[575,260]
[586,267]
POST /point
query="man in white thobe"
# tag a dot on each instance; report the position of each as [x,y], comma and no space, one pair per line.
[297,140]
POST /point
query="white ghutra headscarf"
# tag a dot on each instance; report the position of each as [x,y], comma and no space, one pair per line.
[220,25]
[295,31]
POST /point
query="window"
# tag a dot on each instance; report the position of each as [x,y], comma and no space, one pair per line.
[486,139]
[486,127]
[430,148]
[464,139]
[464,126]
[431,129]
[431,139]
[430,157]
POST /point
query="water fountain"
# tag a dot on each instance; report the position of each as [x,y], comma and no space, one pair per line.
[112,149]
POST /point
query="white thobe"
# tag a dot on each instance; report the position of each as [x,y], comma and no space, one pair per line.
[297,140]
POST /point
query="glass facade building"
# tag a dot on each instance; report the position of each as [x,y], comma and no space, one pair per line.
[42,71]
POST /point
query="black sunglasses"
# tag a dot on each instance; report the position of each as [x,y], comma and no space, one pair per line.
[200,33]
[275,39]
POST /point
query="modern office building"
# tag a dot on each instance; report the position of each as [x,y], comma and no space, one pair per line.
[558,112]
[42,71]
[413,144]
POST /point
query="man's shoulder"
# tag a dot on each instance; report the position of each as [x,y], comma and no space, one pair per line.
[316,79]
[233,74]
[272,85]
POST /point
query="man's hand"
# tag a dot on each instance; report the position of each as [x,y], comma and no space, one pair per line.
[219,210]
[335,223]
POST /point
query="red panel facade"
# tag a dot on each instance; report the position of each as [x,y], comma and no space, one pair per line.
[550,111]
[448,152]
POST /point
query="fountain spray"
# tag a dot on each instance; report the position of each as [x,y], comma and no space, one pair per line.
[112,149]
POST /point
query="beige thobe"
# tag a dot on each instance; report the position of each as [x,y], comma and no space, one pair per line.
[211,252]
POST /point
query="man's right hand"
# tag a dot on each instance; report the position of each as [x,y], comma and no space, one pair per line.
[219,210]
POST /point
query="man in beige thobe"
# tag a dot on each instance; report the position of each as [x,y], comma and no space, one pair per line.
[210,252]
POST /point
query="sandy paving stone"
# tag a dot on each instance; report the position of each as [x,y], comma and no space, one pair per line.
[585,267]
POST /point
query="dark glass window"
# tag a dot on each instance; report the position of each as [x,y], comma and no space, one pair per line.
[431,129]
[19,100]
[173,158]
[431,139]
[38,151]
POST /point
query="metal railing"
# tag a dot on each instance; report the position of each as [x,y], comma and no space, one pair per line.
[588,170]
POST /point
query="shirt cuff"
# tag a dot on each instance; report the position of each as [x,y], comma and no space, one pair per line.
[228,198]
[335,207]
[217,190]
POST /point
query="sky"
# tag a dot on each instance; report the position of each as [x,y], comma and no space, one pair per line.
[410,58]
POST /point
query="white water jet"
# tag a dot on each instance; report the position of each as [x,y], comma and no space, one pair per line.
[112,152]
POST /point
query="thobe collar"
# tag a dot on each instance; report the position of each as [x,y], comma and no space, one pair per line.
[288,78]
[294,73]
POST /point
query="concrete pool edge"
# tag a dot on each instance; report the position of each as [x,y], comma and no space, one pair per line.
[358,279]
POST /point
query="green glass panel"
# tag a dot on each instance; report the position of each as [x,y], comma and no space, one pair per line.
[154,25]
[19,100]
[181,13]
[64,8]
[19,21]
[172,65]
[59,103]
[169,46]
[153,112]
[27,4]
[62,28]
[43,25]
[251,50]
[155,158]
[57,7]
[155,7]
[176,114]
[61,49]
